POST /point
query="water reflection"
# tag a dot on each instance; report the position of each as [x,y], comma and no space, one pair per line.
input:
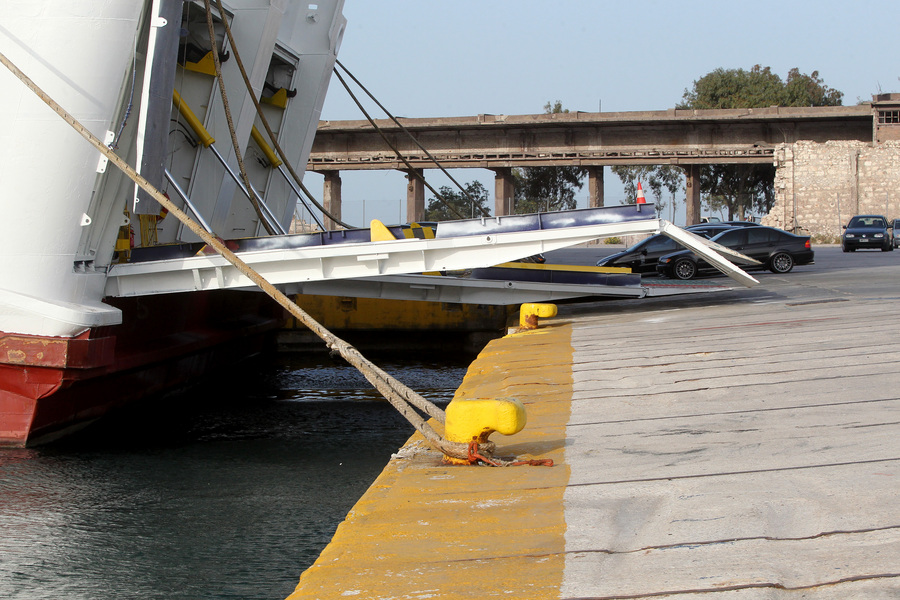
[228,492]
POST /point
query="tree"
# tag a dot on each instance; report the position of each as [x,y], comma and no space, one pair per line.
[738,189]
[656,178]
[743,188]
[547,188]
[758,87]
[438,211]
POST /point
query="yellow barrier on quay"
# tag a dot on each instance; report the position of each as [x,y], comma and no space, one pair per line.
[426,527]
[396,324]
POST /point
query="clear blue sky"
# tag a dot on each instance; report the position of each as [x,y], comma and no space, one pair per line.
[465,57]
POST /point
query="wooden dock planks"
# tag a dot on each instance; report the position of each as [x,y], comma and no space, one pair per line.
[752,449]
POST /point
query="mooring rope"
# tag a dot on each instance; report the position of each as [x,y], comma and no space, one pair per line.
[399,395]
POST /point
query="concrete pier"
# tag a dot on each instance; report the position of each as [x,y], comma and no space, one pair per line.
[742,445]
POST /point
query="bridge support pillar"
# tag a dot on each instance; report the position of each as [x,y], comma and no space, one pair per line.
[595,187]
[504,192]
[692,194]
[331,197]
[415,196]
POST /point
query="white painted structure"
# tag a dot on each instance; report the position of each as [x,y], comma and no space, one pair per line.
[64,209]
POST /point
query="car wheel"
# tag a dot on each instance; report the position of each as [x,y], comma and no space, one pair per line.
[887,248]
[684,268]
[781,262]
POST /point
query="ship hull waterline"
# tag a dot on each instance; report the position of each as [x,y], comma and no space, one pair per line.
[52,387]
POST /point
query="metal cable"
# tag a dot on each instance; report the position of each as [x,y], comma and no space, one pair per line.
[484,212]
[412,170]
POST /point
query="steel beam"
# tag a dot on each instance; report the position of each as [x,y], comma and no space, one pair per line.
[459,290]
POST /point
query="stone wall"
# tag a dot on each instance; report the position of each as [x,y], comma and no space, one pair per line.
[818,187]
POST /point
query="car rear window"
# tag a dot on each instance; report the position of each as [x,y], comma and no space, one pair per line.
[662,244]
[759,235]
[732,238]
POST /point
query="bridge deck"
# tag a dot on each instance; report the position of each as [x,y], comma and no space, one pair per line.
[586,139]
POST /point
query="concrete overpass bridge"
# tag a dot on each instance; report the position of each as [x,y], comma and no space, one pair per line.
[687,138]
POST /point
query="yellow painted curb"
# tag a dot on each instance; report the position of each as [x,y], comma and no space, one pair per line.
[426,529]
[567,268]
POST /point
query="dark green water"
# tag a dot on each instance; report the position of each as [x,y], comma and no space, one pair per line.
[230,492]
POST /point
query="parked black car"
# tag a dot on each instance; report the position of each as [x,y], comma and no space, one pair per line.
[775,249]
[642,257]
[867,231]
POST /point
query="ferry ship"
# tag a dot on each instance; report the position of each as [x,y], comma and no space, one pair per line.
[105,298]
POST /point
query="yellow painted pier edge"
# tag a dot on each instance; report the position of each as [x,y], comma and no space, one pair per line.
[426,529]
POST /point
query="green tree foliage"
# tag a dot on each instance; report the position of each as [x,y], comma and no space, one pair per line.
[438,211]
[759,87]
[743,188]
[738,189]
[655,180]
[547,188]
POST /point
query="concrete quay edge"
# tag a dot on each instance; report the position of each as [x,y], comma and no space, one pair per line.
[719,449]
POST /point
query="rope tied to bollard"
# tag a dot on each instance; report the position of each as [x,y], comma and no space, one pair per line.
[475,456]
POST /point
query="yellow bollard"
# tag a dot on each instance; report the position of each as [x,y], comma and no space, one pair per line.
[529,313]
[476,419]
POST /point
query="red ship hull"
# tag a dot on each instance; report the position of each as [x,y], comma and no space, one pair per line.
[51,387]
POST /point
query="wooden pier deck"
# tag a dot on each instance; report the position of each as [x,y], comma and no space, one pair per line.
[744,446]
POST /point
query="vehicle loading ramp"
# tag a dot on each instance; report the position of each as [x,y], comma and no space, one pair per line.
[478,243]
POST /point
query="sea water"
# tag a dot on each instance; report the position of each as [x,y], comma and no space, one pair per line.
[229,490]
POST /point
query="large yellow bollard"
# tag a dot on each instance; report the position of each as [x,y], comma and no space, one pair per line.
[477,418]
[529,313]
